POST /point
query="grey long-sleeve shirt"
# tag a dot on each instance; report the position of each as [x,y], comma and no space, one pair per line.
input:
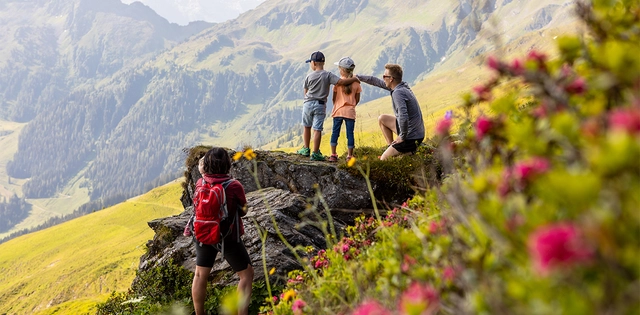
[405,106]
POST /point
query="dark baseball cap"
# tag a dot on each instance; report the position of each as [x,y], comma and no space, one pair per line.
[316,56]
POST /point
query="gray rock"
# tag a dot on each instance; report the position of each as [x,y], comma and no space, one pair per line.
[292,182]
[264,206]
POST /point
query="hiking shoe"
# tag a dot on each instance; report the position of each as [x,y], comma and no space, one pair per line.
[304,151]
[333,158]
[317,156]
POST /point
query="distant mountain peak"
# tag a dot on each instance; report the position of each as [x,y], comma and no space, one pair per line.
[185,11]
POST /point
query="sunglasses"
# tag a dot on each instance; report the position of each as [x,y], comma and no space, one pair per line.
[386,76]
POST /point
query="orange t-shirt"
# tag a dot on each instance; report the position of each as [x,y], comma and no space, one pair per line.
[345,105]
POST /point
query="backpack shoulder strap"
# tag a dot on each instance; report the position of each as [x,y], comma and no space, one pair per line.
[227,182]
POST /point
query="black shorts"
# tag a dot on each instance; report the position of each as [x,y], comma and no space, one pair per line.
[234,253]
[407,146]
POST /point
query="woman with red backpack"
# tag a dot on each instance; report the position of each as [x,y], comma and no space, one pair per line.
[214,167]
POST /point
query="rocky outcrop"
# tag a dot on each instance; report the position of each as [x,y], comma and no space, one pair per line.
[290,185]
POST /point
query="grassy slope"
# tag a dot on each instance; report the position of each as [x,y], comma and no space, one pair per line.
[68,268]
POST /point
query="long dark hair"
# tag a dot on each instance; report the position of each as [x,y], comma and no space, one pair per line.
[216,161]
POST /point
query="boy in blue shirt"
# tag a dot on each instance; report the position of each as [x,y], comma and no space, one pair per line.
[317,85]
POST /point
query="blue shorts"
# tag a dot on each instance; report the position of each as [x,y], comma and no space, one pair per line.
[313,113]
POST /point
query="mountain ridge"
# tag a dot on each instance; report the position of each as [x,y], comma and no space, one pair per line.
[140,117]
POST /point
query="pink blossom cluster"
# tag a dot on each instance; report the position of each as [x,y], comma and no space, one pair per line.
[483,127]
[348,248]
[297,280]
[298,307]
[558,245]
[625,120]
[418,298]
[577,86]
[437,226]
[521,174]
[371,307]
[443,126]
[320,260]
[483,92]
[395,216]
[449,273]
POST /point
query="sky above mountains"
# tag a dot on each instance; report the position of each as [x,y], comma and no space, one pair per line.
[184,11]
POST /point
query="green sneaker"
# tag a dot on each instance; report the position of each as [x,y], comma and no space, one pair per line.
[304,151]
[317,156]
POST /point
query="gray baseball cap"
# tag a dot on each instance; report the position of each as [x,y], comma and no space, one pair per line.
[345,62]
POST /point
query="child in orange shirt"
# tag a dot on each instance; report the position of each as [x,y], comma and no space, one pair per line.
[345,99]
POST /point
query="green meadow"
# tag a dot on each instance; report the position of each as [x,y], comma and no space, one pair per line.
[68,268]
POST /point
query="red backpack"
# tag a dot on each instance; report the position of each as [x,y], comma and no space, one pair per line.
[210,211]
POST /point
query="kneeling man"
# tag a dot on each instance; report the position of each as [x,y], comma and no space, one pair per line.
[407,122]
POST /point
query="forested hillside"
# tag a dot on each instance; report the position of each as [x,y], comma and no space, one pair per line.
[106,102]
[52,51]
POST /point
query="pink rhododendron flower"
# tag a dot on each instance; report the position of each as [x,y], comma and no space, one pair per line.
[419,299]
[298,307]
[558,245]
[493,63]
[483,126]
[449,273]
[434,227]
[443,126]
[625,119]
[483,92]
[371,307]
[536,56]
[525,170]
[578,86]
[516,67]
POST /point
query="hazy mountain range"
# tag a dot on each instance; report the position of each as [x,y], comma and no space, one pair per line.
[98,99]
[185,11]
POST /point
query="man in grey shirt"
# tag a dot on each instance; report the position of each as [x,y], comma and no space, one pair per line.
[407,122]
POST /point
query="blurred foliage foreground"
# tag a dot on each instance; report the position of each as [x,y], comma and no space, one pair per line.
[539,212]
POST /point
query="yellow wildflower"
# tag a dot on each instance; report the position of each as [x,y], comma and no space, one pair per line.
[272,271]
[249,154]
[237,156]
[289,295]
[351,162]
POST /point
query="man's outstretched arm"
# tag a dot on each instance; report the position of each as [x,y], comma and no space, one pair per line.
[373,81]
